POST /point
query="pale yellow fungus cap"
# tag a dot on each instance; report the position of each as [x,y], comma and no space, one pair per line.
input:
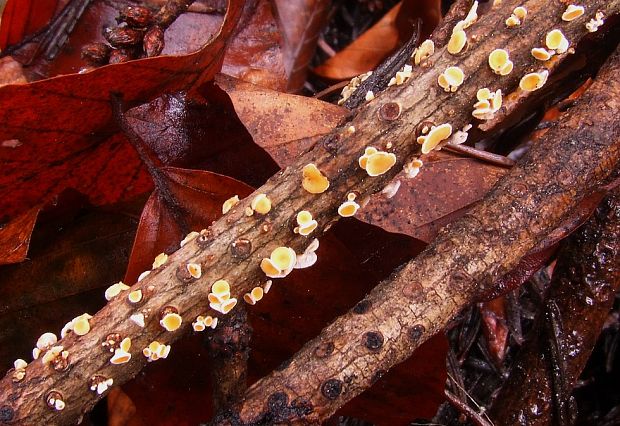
[306,223]
[370,95]
[228,305]
[171,321]
[304,260]
[121,354]
[280,263]
[379,163]
[424,50]
[364,158]
[254,296]
[261,204]
[81,326]
[143,275]
[513,21]
[483,94]
[436,135]
[500,62]
[220,288]
[194,270]
[135,296]
[555,40]
[541,54]
[457,42]
[412,168]
[189,237]
[160,259]
[46,340]
[348,209]
[229,204]
[313,180]
[114,290]
[214,298]
[451,79]
[267,286]
[520,12]
[20,364]
[573,12]
[125,344]
[533,81]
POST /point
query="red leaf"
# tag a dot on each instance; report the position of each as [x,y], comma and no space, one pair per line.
[199,193]
[21,18]
[15,237]
[65,130]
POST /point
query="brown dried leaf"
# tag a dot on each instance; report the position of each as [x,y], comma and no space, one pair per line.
[15,237]
[372,47]
[301,22]
[291,117]
[255,53]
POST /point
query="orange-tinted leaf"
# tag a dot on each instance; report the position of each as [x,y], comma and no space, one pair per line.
[15,237]
[21,18]
[65,130]
[372,47]
[446,184]
[291,117]
[301,22]
[199,193]
[255,53]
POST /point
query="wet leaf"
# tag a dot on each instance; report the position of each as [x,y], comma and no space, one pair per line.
[374,45]
[15,237]
[23,18]
[255,53]
[87,153]
[199,195]
[291,118]
[301,22]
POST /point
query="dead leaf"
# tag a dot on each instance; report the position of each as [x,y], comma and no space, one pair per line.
[255,53]
[291,117]
[372,47]
[301,22]
[15,237]
[64,151]
[23,18]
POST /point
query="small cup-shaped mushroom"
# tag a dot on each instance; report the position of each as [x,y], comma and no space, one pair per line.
[199,324]
[555,40]
[483,94]
[254,296]
[81,326]
[211,322]
[121,354]
[228,305]
[424,50]
[454,76]
[306,223]
[313,180]
[348,208]
[364,158]
[115,289]
[435,137]
[228,204]
[500,62]
[137,319]
[533,81]
[135,296]
[412,168]
[572,12]
[457,42]
[513,21]
[261,204]
[541,54]
[280,263]
[520,12]
[46,341]
[189,237]
[220,288]
[20,364]
[171,321]
[160,259]
[379,163]
[194,270]
[143,275]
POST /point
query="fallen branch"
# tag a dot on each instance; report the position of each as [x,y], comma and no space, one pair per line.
[232,248]
[585,281]
[464,261]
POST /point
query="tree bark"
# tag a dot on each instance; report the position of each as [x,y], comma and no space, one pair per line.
[585,281]
[464,261]
[24,402]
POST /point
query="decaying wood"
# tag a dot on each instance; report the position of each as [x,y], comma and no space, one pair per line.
[586,279]
[229,349]
[375,124]
[465,259]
